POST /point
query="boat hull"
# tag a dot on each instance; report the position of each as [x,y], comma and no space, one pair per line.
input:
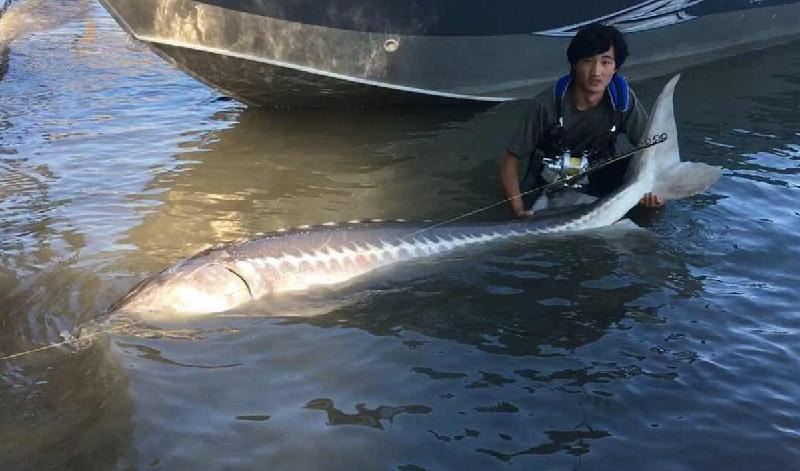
[327,57]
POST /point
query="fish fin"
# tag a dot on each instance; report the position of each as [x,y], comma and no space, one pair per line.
[685,179]
[569,198]
[626,224]
[661,165]
[653,160]
[566,198]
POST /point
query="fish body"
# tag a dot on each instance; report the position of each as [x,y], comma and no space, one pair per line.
[283,262]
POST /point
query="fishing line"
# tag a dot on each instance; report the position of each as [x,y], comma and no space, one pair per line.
[559,182]
[67,342]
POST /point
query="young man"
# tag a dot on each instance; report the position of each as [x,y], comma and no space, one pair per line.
[581,115]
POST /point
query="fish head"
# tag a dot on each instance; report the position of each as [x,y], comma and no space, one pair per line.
[190,288]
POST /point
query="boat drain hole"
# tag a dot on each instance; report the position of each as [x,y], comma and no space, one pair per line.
[391,45]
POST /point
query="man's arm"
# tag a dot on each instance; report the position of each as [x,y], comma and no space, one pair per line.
[508,175]
[521,145]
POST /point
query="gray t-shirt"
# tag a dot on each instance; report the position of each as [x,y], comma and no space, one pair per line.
[582,129]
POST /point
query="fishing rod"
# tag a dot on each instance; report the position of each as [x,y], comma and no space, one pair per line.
[562,182]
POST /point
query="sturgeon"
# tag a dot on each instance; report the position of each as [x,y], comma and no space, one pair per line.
[227,277]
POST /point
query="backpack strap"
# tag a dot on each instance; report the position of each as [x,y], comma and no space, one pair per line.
[559,90]
[561,86]
[552,137]
[618,91]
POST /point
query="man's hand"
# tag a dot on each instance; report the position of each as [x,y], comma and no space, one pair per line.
[522,213]
[651,200]
[509,182]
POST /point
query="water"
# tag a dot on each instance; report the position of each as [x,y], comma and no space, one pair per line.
[676,347]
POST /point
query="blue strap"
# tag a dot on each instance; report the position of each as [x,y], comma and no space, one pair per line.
[561,86]
[618,91]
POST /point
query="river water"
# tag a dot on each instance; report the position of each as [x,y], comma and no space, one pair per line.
[673,347]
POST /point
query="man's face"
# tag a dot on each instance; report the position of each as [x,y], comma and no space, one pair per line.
[594,73]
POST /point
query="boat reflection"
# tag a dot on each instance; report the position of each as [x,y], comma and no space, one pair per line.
[283,169]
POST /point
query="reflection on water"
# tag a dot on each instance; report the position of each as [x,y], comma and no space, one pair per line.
[555,353]
[23,17]
[154,355]
[3,62]
[364,415]
[65,411]
[282,169]
[573,442]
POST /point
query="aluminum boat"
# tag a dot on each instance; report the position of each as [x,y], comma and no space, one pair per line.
[319,53]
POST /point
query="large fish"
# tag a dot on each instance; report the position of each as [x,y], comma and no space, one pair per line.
[224,278]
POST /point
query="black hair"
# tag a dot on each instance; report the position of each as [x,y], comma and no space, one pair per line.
[596,38]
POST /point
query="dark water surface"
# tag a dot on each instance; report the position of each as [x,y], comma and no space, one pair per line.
[671,348]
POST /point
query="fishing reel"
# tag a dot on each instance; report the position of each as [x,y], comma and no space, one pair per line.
[565,165]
